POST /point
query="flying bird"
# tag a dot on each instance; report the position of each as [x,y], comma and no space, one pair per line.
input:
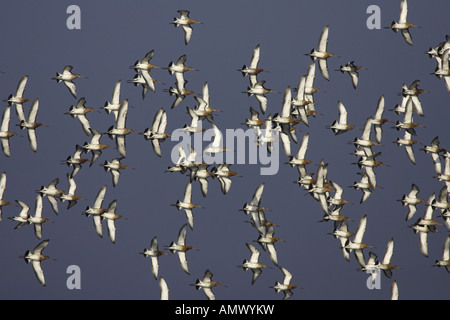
[67,77]
[36,257]
[322,54]
[186,23]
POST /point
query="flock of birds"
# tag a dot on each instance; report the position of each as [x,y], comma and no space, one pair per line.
[297,110]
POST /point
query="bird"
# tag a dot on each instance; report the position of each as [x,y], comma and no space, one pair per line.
[36,257]
[120,130]
[378,120]
[5,134]
[144,67]
[403,24]
[320,189]
[408,143]
[337,201]
[114,166]
[31,124]
[444,175]
[2,192]
[394,290]
[442,69]
[423,231]
[435,150]
[253,264]
[255,203]
[164,289]
[267,242]
[254,122]
[386,265]
[51,191]
[442,203]
[223,173]
[70,196]
[79,111]
[412,91]
[445,261]
[340,126]
[187,205]
[411,200]
[154,253]
[37,219]
[364,186]
[96,211]
[216,145]
[286,286]
[206,283]
[195,125]
[115,103]
[181,248]
[341,232]
[259,91]
[252,69]
[23,216]
[67,77]
[427,218]
[186,23]
[300,103]
[95,146]
[203,109]
[18,99]
[179,68]
[111,216]
[352,70]
[322,54]
[364,142]
[357,243]
[157,132]
[76,160]
[310,90]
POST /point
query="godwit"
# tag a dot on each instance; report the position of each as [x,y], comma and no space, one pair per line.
[434,150]
[5,134]
[341,232]
[252,70]
[364,142]
[180,92]
[254,122]
[207,284]
[164,289]
[411,200]
[114,105]
[157,132]
[444,175]
[442,203]
[111,216]
[253,263]
[70,195]
[337,201]
[187,205]
[114,166]
[138,79]
[18,98]
[394,290]
[364,186]
[203,109]
[299,103]
[269,135]
[408,143]
[36,257]
[201,174]
[423,231]
[79,111]
[254,205]
[310,90]
[2,191]
[154,253]
[67,77]
[95,146]
[259,91]
[402,23]
[445,261]
[368,163]
[179,67]
[322,54]
[186,23]
[341,126]
[378,120]
[144,63]
[37,219]
[216,145]
[299,159]
[195,125]
[76,160]
[51,191]
[23,216]
[352,70]
[120,130]
[386,265]
[412,91]
[284,119]
[31,124]
[286,286]
[181,247]
[442,69]
[96,210]
[267,242]
[223,173]
[357,243]
[427,218]
[321,188]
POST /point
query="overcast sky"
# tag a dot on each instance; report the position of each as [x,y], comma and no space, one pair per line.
[113,35]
